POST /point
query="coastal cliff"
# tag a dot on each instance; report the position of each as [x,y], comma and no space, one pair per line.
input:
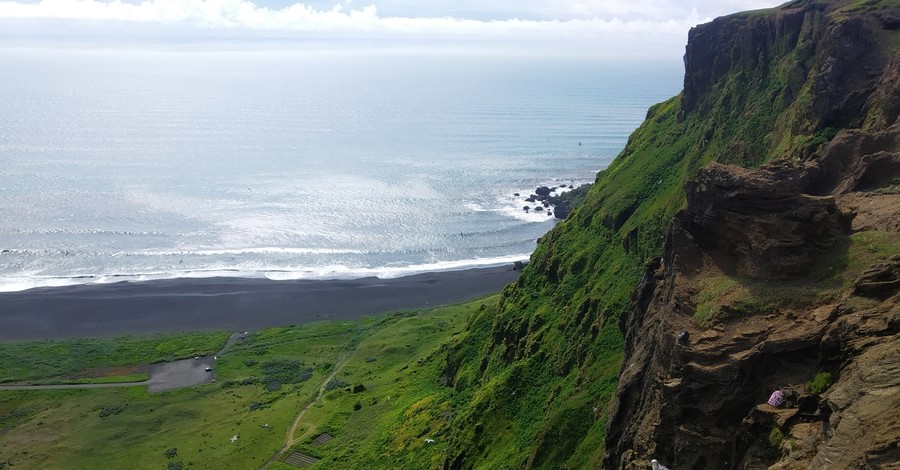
[758,213]
[781,278]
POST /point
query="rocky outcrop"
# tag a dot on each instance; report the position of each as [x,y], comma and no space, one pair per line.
[759,224]
[754,271]
[759,275]
[834,59]
[855,160]
[756,268]
[559,201]
[746,42]
[701,404]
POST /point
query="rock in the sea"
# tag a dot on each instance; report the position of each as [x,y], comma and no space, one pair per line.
[561,210]
[526,208]
[542,191]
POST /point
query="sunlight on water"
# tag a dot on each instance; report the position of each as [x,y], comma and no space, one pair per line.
[150,164]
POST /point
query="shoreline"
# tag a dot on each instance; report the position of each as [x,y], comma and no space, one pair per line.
[228,304]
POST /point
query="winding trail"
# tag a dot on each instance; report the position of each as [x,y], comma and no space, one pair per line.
[289,439]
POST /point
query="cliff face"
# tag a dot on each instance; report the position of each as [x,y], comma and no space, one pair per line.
[790,297]
[807,95]
[782,278]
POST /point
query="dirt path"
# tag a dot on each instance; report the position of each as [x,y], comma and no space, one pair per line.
[289,439]
[65,386]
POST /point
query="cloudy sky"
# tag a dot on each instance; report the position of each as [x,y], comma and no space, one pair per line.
[654,25]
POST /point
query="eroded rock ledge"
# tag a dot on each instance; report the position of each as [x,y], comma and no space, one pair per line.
[767,249]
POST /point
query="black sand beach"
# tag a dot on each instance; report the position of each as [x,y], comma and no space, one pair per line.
[227,303]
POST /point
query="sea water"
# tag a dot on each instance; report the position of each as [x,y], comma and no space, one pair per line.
[145,163]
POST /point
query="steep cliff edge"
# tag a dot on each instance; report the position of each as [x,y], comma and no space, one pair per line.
[763,286]
[759,257]
[784,278]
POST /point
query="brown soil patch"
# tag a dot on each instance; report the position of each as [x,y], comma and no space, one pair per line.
[873,211]
[100,372]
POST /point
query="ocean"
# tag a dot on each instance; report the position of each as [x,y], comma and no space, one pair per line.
[123,163]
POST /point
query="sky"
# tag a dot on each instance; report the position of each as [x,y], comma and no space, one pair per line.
[647,27]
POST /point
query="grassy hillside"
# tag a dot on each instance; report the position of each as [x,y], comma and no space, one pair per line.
[532,380]
[75,359]
[522,380]
[263,383]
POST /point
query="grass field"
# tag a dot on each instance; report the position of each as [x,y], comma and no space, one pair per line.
[74,359]
[384,397]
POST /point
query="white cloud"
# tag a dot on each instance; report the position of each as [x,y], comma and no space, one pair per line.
[633,28]
[301,17]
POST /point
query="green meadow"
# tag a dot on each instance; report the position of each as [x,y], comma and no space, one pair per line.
[373,384]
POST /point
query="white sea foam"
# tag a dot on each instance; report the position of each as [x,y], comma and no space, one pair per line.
[513,206]
[330,272]
[267,250]
[305,171]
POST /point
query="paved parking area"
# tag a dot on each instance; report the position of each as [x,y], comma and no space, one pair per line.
[180,374]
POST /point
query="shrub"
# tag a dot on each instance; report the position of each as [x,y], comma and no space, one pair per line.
[175,466]
[249,381]
[171,452]
[284,371]
[824,136]
[255,405]
[109,410]
[273,385]
[335,383]
[776,437]
[705,314]
[821,382]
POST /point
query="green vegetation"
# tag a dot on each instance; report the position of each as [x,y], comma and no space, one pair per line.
[868,247]
[776,437]
[557,329]
[890,38]
[821,382]
[537,375]
[835,270]
[110,410]
[72,360]
[519,380]
[388,370]
[861,6]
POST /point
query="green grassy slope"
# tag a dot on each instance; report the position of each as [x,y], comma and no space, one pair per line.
[534,379]
[72,359]
[267,379]
[521,380]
